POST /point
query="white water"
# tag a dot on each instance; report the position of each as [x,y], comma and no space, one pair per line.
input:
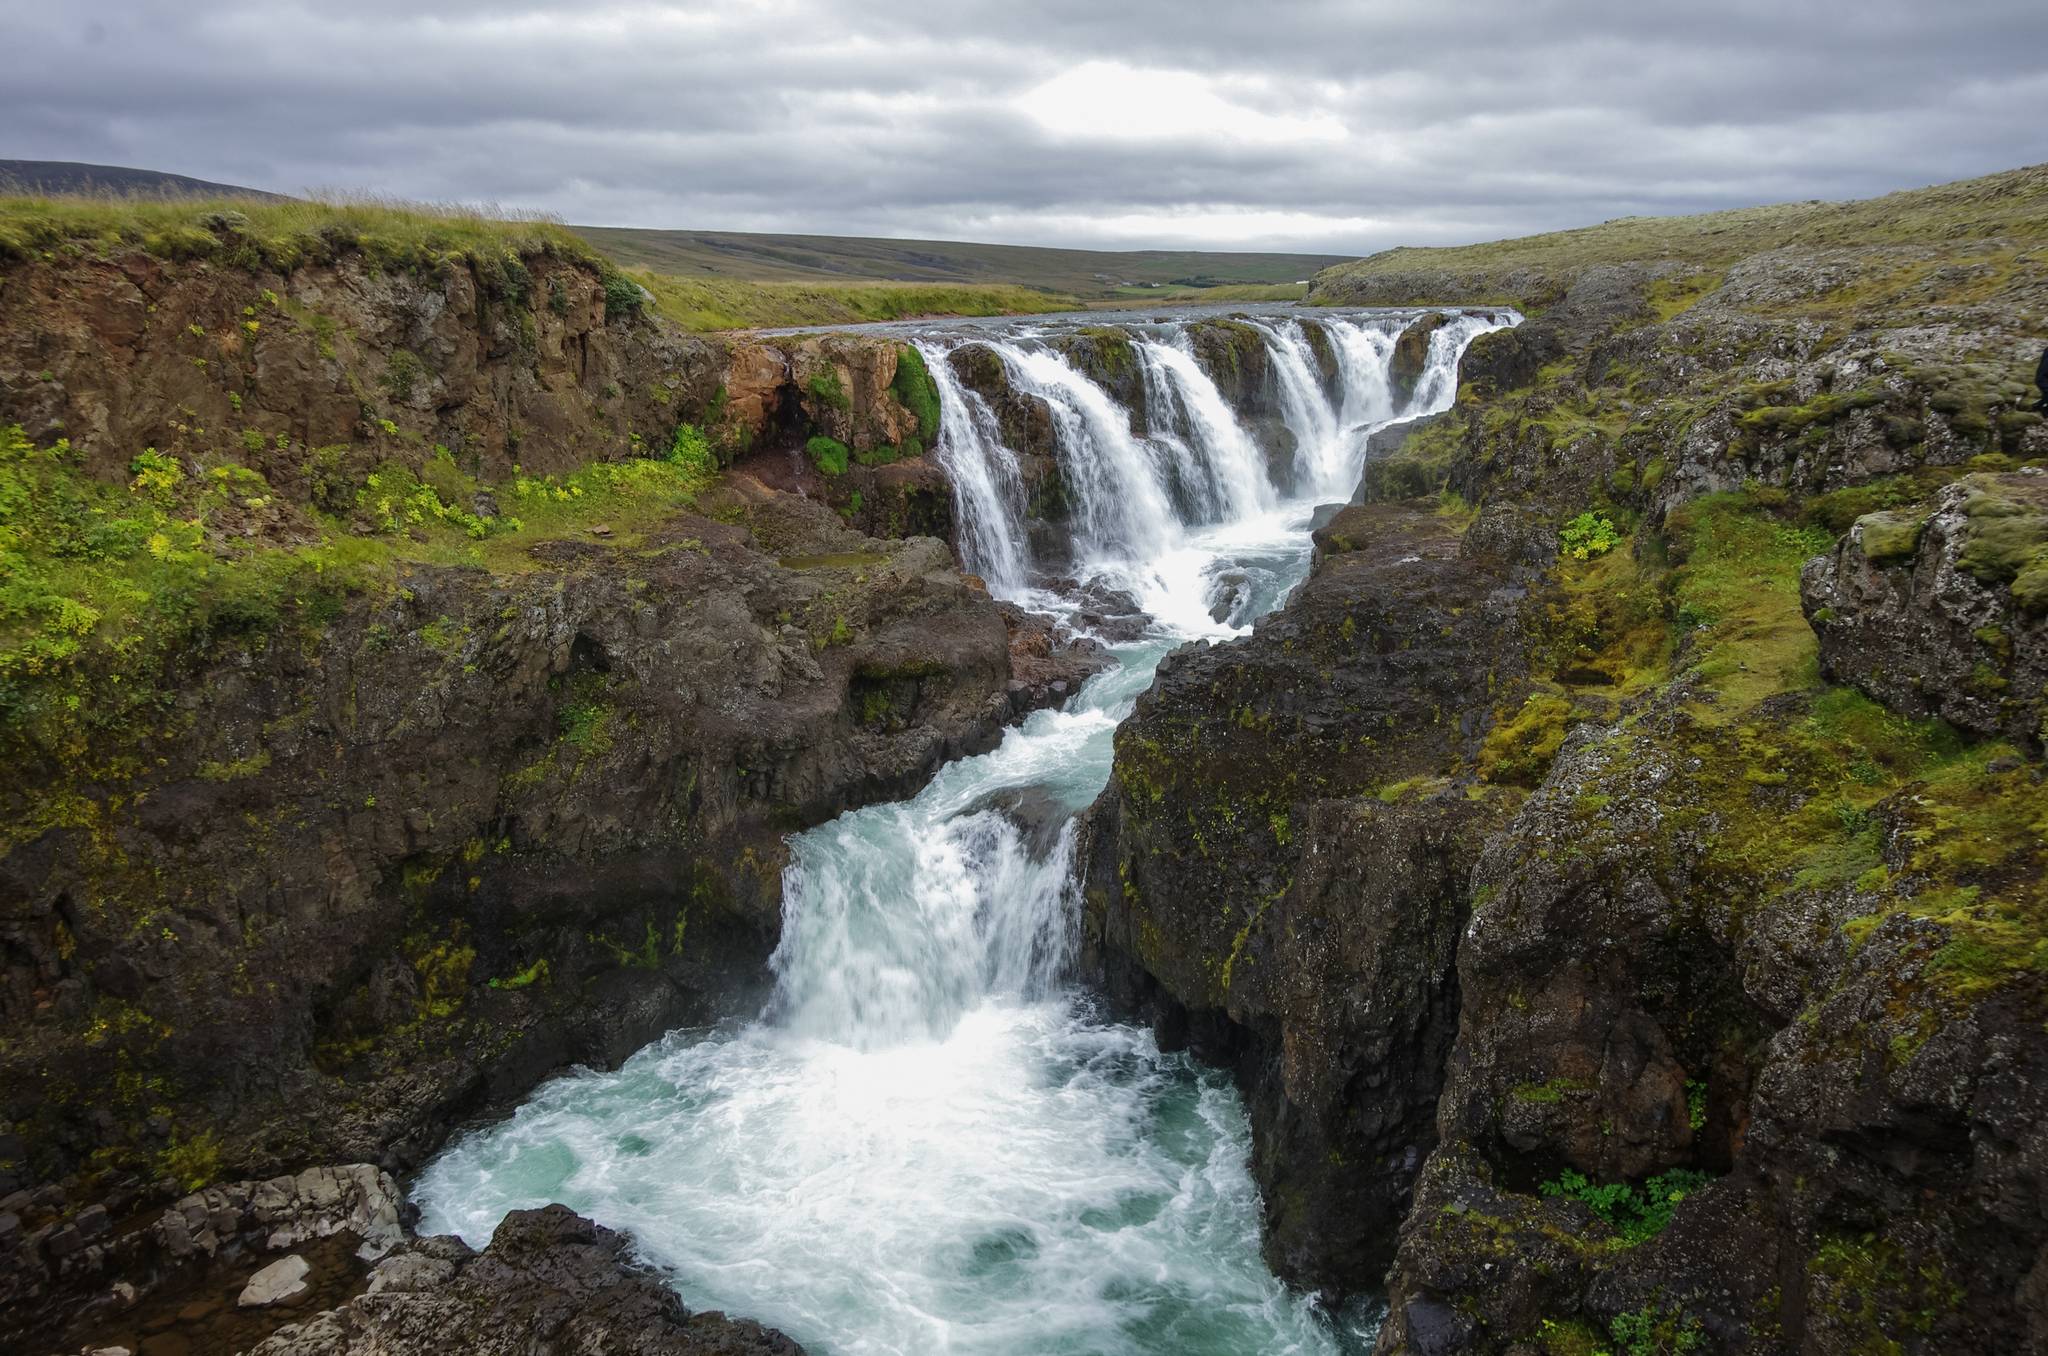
[931,1142]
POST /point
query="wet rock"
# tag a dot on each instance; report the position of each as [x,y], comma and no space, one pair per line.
[1410,358]
[1247,886]
[282,1282]
[1039,815]
[549,1284]
[1048,662]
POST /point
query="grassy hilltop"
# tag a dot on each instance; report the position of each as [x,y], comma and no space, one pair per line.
[1961,242]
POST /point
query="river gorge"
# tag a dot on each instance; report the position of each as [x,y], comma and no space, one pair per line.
[932,1139]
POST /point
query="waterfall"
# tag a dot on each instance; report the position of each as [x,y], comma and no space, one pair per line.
[1230,467]
[988,492]
[931,1140]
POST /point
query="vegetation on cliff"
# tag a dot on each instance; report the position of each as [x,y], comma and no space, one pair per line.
[1747,824]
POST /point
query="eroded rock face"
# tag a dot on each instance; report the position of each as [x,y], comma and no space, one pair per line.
[1629,1005]
[316,376]
[550,1283]
[469,830]
[1945,613]
[1259,877]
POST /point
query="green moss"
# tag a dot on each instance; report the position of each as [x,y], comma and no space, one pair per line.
[825,387]
[1888,537]
[193,1161]
[2007,532]
[917,392]
[829,454]
[532,974]
[1519,750]
[1737,597]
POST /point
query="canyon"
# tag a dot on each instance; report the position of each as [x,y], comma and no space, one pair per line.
[1498,812]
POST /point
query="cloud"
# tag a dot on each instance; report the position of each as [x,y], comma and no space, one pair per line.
[1342,125]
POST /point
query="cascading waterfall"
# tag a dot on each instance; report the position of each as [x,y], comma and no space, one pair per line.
[984,474]
[1223,458]
[931,1141]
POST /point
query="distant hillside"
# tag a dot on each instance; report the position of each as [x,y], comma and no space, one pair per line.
[69,176]
[1083,273]
[2002,214]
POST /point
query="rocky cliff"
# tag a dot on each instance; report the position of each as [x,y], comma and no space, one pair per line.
[1631,961]
[400,699]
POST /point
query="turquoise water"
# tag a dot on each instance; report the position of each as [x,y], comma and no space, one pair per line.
[932,1141]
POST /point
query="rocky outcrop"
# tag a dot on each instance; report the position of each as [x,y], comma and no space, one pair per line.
[1945,612]
[1410,358]
[551,1283]
[1710,990]
[1275,876]
[324,1263]
[390,869]
[316,375]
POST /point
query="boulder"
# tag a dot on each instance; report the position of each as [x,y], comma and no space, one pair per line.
[1945,611]
[282,1282]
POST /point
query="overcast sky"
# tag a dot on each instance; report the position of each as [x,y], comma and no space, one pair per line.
[1252,123]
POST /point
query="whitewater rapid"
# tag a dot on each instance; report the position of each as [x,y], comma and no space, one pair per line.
[931,1141]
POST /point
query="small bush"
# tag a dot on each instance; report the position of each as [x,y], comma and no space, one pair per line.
[1636,1212]
[622,296]
[1588,535]
[691,450]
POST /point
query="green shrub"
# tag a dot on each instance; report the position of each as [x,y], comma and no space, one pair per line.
[622,296]
[1588,535]
[829,453]
[1636,1212]
[691,450]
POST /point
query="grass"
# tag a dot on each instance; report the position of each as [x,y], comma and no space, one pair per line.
[105,589]
[1091,274]
[724,304]
[280,234]
[1994,220]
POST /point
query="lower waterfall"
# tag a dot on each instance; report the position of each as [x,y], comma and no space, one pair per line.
[932,1140]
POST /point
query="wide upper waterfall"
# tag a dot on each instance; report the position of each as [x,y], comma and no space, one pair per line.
[932,1140]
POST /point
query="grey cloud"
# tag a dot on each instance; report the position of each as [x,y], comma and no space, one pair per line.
[1459,121]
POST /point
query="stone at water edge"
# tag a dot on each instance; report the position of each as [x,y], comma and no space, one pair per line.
[282,1282]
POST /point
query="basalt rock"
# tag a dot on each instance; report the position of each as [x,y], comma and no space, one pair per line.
[1945,612]
[1269,878]
[550,1283]
[1411,355]
[316,375]
[1048,662]
[374,876]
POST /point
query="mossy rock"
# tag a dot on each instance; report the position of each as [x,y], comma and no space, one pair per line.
[1888,537]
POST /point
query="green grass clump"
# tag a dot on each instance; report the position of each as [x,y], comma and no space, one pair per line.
[691,452]
[1519,749]
[1636,1212]
[1737,597]
[829,454]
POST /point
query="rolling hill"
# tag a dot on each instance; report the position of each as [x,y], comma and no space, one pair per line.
[1084,273]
